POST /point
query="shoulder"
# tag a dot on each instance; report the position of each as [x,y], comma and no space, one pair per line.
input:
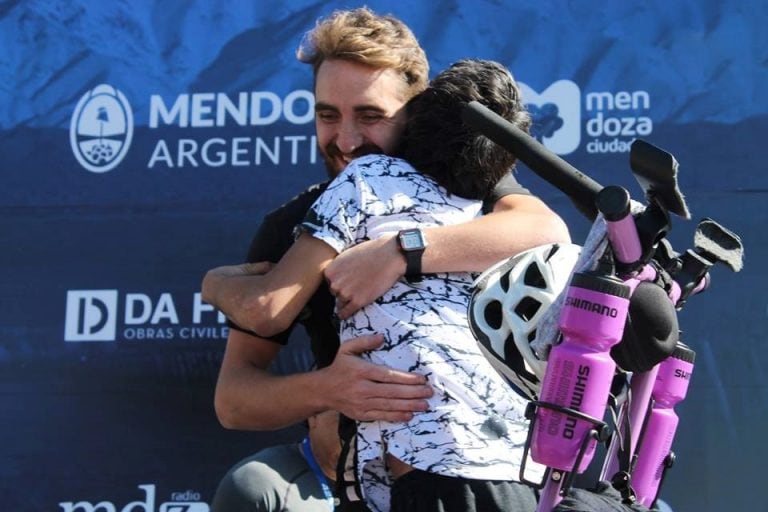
[272,468]
[508,185]
[275,233]
[294,209]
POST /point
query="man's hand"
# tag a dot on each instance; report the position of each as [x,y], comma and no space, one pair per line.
[250,397]
[368,392]
[363,273]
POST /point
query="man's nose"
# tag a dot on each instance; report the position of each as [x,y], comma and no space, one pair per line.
[349,138]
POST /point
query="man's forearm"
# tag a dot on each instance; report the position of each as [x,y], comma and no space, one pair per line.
[263,303]
[230,290]
[248,397]
[519,222]
[254,399]
[476,245]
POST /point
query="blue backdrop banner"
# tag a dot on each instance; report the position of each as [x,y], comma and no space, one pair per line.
[142,142]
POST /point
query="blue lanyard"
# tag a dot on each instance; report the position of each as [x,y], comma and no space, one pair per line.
[306,450]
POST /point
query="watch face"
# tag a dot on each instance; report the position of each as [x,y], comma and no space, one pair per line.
[411,240]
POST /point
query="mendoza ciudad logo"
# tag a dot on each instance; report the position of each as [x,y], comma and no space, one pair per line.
[101,128]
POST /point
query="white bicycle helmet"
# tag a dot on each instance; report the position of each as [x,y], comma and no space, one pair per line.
[509,300]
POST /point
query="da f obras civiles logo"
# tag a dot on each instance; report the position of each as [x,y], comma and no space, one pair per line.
[101,129]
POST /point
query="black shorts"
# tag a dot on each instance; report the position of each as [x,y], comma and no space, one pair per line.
[419,491]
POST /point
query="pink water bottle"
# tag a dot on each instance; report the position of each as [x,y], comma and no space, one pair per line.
[670,387]
[580,370]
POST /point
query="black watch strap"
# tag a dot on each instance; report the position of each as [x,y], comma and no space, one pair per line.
[413,266]
[412,245]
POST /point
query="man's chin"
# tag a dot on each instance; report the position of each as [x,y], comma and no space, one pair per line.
[335,164]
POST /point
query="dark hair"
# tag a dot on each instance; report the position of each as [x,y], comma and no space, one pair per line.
[438,143]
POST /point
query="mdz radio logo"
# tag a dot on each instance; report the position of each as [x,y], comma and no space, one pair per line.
[188,501]
[107,315]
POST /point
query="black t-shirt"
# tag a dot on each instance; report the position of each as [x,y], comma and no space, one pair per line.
[270,243]
[275,237]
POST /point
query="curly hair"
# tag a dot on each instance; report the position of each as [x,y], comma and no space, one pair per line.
[438,143]
[362,36]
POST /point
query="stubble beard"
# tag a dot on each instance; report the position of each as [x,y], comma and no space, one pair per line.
[333,157]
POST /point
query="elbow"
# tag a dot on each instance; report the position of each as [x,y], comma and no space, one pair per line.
[266,319]
[231,420]
[557,231]
[234,415]
[230,413]
[224,413]
[551,228]
[225,408]
[268,328]
[208,287]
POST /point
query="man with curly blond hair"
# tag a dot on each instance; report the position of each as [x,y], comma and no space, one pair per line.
[366,68]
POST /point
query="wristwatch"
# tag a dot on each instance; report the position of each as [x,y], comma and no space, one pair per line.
[412,245]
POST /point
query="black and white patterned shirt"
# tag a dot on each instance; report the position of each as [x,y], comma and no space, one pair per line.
[475,426]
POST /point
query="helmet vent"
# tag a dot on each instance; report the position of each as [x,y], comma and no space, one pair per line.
[552,251]
[504,282]
[493,316]
[527,308]
[533,277]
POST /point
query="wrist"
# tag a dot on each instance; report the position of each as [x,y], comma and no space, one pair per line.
[397,259]
[319,394]
[412,244]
